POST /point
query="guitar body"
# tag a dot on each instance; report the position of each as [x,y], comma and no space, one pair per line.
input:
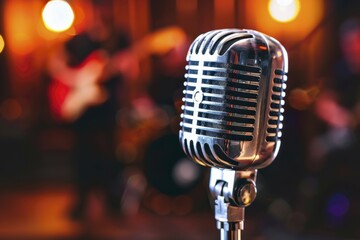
[68,99]
[57,92]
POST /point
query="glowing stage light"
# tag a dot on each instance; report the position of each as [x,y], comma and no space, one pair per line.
[58,15]
[284,10]
[2,43]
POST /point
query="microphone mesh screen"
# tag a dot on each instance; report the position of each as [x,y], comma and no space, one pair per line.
[229,100]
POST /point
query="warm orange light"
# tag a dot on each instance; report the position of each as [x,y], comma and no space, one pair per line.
[161,41]
[264,48]
[57,15]
[2,43]
[308,15]
[302,98]
[284,10]
[19,21]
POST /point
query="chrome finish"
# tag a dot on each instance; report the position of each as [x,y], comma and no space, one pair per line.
[232,191]
[237,187]
[232,115]
[233,99]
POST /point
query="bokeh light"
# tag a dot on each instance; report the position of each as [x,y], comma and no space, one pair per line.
[58,16]
[2,43]
[284,10]
[186,172]
[338,205]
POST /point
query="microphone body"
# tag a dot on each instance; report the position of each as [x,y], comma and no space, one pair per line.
[232,115]
[233,99]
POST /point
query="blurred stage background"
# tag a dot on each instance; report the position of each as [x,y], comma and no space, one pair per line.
[310,191]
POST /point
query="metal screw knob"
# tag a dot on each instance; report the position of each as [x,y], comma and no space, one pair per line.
[246,192]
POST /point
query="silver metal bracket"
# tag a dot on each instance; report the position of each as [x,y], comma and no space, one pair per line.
[232,191]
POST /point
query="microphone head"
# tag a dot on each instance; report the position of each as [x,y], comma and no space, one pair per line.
[233,99]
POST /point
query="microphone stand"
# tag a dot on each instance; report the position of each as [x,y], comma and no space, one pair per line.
[232,191]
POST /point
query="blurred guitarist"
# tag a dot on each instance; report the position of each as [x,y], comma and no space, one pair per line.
[87,89]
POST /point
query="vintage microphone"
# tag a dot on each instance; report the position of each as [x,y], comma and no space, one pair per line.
[232,115]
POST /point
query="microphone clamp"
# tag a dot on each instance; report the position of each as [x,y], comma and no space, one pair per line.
[232,191]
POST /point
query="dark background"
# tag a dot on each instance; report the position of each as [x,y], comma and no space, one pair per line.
[299,196]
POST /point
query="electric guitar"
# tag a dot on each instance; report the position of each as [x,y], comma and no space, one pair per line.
[70,97]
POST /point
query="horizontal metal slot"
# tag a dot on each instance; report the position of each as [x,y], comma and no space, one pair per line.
[234,137]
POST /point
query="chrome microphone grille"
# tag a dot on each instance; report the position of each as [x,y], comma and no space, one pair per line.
[227,100]
[232,110]
[276,107]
